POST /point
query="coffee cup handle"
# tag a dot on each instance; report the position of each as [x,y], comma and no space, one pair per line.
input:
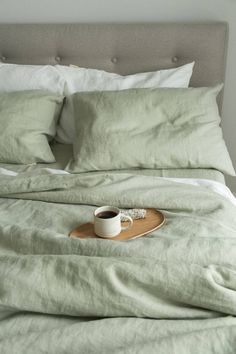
[128,218]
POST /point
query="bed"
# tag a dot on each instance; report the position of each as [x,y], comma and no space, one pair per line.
[172,291]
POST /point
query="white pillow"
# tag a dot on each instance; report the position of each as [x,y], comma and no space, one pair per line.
[81,79]
[14,77]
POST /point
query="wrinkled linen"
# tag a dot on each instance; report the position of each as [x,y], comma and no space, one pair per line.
[173,291]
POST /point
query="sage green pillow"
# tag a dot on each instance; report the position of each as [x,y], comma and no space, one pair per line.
[27,120]
[148,128]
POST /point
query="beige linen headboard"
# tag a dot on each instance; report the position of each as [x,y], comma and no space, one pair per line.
[121,48]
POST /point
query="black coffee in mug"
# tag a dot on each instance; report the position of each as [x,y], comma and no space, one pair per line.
[108,214]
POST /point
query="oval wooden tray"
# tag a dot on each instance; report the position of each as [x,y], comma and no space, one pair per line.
[154,220]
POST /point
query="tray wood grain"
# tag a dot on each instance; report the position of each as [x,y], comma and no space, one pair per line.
[154,220]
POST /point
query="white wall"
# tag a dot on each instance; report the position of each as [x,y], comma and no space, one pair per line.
[12,11]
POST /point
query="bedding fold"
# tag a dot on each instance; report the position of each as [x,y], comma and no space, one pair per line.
[110,287]
[124,335]
[175,285]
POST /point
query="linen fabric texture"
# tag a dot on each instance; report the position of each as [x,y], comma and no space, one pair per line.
[17,77]
[28,120]
[148,128]
[82,80]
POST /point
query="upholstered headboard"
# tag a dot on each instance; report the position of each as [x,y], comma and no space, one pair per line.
[121,48]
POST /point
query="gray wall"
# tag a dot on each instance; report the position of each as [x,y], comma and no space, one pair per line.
[13,11]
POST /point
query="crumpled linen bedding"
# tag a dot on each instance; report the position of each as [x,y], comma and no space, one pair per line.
[173,291]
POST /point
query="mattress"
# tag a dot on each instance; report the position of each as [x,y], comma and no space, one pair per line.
[63,153]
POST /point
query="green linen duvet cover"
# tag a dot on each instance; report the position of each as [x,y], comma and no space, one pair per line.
[173,291]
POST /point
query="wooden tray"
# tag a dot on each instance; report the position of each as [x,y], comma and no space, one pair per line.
[154,220]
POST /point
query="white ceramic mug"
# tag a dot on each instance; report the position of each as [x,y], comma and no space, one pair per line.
[107,222]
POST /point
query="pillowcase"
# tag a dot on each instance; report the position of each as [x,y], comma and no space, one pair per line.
[27,119]
[80,79]
[15,77]
[148,128]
